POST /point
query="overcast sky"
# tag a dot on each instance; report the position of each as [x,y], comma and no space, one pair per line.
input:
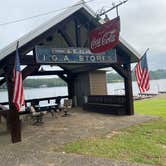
[143,23]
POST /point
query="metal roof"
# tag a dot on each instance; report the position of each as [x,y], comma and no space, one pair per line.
[55,20]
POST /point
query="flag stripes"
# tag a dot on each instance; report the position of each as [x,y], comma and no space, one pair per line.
[18,93]
[142,74]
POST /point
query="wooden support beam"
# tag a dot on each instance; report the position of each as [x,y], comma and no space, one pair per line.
[77,32]
[33,71]
[70,84]
[42,73]
[27,60]
[66,37]
[1,71]
[128,90]
[86,43]
[13,121]
[3,64]
[24,59]
[2,81]
[23,50]
[120,70]
[28,71]
[43,36]
[90,67]
[64,78]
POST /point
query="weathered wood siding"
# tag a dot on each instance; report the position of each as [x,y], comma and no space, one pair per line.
[98,83]
[82,89]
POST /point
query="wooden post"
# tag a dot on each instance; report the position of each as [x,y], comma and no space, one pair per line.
[70,87]
[128,90]
[13,122]
[77,32]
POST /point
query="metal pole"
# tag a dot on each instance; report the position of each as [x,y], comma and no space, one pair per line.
[117,11]
[116,6]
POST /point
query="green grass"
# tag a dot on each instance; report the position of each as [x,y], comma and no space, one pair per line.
[144,143]
[155,106]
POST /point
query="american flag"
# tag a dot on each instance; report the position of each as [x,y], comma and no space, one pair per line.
[142,74]
[18,93]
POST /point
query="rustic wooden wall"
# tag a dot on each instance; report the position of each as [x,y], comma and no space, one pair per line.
[98,83]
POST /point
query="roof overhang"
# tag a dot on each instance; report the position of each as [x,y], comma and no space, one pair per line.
[80,6]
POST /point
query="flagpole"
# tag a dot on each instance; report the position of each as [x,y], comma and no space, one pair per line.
[141,58]
[18,93]
[145,52]
[17,44]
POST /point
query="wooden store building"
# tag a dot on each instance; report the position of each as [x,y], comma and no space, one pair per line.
[64,41]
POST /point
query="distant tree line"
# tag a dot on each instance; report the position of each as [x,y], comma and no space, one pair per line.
[51,82]
[111,77]
[154,75]
[158,74]
[39,83]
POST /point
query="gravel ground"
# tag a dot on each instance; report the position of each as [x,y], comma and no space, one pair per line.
[39,143]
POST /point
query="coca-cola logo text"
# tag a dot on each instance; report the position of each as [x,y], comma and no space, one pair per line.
[106,38]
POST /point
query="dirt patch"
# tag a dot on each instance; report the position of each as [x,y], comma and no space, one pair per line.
[113,133]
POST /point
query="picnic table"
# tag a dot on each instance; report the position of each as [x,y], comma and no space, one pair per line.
[51,108]
[38,111]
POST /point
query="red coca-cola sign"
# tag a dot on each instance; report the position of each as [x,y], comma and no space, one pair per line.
[105,37]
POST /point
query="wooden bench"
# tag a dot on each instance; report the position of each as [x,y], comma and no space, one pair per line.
[109,104]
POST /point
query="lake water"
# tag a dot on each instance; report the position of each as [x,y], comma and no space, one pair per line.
[155,87]
[112,88]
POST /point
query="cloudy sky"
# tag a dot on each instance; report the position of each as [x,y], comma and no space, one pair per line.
[143,22]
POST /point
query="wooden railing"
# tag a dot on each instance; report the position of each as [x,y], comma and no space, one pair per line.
[4,111]
[32,102]
[39,99]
